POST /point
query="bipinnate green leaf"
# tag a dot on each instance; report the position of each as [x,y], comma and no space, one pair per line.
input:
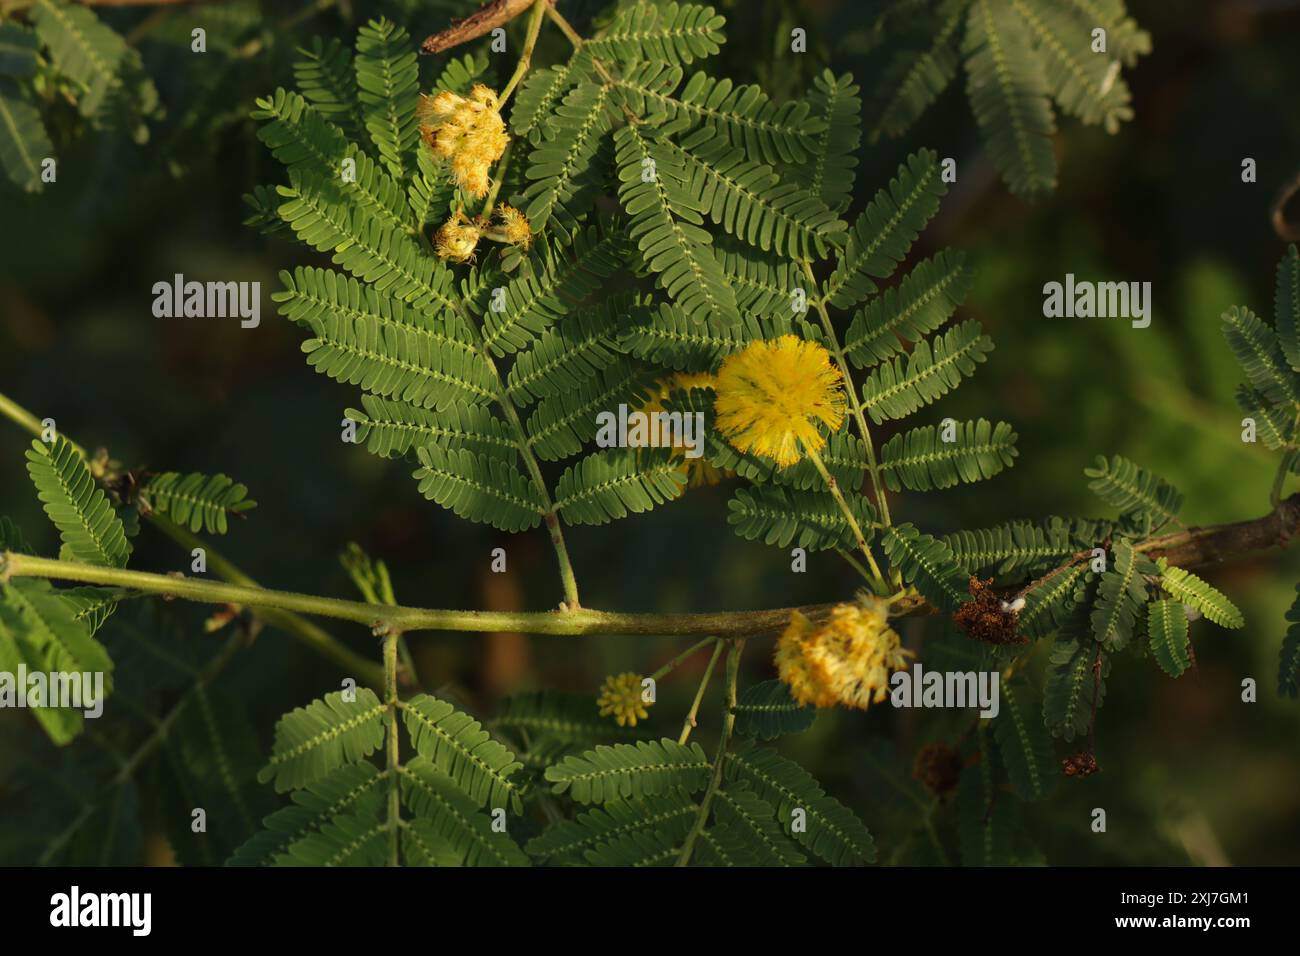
[352,788]
[1167,628]
[1209,600]
[90,528]
[1023,742]
[767,710]
[312,741]
[630,771]
[456,744]
[819,823]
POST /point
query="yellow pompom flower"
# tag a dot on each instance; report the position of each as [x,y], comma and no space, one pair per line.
[846,660]
[773,395]
[467,132]
[457,238]
[621,697]
[514,224]
[698,471]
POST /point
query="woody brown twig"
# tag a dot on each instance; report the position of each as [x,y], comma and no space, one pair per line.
[476,24]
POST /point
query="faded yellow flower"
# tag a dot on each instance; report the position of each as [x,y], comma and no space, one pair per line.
[515,226]
[698,471]
[621,697]
[846,660]
[772,397]
[457,238]
[792,665]
[467,132]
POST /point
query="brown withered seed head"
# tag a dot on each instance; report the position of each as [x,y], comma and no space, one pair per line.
[937,768]
[985,619]
[1081,764]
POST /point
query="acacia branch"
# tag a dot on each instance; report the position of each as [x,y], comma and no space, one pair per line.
[1191,548]
[308,632]
[1217,543]
[476,24]
[381,617]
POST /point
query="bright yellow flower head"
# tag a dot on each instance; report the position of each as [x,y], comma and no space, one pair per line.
[847,660]
[772,395]
[515,226]
[457,238]
[620,697]
[698,471]
[468,132]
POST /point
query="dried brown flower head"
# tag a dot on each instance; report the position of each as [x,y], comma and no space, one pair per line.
[988,618]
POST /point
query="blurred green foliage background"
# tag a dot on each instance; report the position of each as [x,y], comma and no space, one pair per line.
[1190,773]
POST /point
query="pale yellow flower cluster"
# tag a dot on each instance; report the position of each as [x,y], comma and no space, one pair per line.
[514,225]
[458,237]
[847,660]
[698,471]
[467,132]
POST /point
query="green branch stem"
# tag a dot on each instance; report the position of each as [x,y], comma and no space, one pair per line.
[30,423]
[305,631]
[526,57]
[855,564]
[690,722]
[719,761]
[668,668]
[392,750]
[1284,467]
[570,622]
[575,38]
[567,578]
[549,514]
[565,27]
[1188,548]
[879,582]
[873,468]
[1191,548]
[503,164]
